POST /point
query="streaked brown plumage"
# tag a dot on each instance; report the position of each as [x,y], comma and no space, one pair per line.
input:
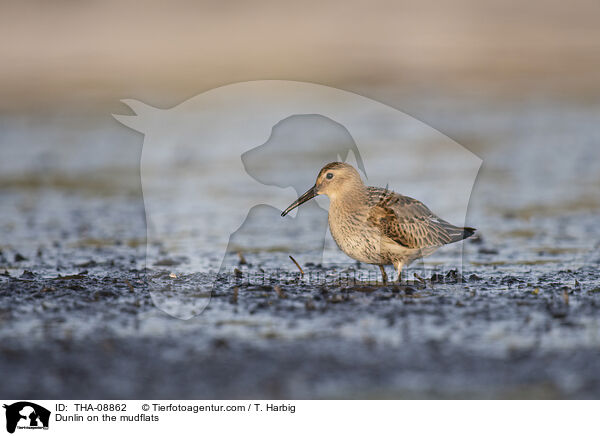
[376,225]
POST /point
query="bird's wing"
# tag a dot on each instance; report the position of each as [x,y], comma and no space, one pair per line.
[407,221]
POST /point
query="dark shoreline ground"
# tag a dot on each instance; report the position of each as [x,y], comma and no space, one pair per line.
[97,334]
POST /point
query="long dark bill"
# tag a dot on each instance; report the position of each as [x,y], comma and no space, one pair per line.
[311,193]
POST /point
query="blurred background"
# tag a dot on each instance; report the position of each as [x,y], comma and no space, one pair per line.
[496,76]
[93,54]
[514,82]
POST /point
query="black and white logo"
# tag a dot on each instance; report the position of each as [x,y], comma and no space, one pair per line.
[26,415]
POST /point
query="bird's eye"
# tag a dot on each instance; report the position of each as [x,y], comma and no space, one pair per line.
[329,175]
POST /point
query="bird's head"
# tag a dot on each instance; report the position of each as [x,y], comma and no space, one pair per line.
[334,179]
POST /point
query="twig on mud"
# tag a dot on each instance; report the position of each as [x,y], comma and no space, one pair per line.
[298,265]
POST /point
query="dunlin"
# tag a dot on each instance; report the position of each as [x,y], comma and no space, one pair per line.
[378,226]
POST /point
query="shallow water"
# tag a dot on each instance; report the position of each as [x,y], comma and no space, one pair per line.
[523,323]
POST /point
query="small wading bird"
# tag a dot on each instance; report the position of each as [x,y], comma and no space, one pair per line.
[377,226]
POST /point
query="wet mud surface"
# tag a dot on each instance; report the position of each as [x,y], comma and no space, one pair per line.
[517,317]
[80,321]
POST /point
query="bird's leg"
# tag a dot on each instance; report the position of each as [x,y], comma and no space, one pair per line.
[399,266]
[383,274]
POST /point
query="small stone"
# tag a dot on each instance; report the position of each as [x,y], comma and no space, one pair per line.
[409,290]
[436,278]
[103,293]
[27,275]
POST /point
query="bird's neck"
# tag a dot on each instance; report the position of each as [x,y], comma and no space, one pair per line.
[349,199]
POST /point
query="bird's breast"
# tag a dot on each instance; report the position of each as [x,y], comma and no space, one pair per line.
[354,235]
